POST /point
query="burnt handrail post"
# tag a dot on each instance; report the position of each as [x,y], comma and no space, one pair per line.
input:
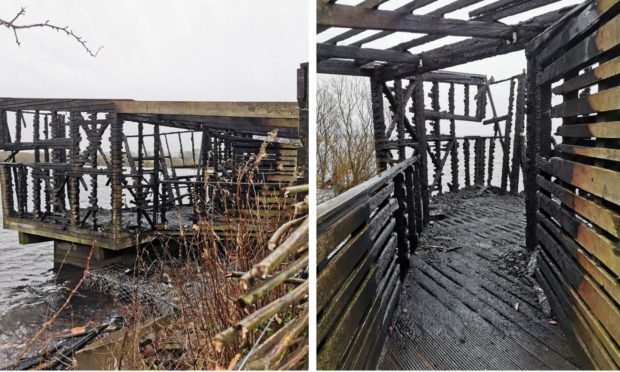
[75,119]
[420,124]
[376,96]
[36,171]
[401,225]
[454,157]
[155,174]
[517,148]
[116,160]
[532,150]
[412,215]
[507,131]
[466,161]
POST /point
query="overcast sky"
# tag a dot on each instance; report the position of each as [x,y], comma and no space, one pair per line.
[211,50]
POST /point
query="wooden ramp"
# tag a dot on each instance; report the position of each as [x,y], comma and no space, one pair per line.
[469,301]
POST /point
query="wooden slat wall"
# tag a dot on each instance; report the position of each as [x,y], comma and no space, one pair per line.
[578,181]
[363,247]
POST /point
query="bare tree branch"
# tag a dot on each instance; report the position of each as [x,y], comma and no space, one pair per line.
[11,25]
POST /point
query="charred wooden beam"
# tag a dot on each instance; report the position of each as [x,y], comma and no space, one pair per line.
[376,95]
[466,160]
[420,125]
[454,159]
[518,145]
[507,131]
[355,17]
[533,149]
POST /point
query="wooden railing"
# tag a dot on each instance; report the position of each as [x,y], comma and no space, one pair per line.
[364,237]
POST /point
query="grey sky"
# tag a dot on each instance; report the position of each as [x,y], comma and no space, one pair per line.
[158,50]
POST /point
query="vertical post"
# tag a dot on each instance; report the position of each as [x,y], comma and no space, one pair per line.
[507,130]
[466,160]
[140,192]
[466,93]
[436,131]
[400,118]
[517,148]
[376,96]
[533,148]
[454,156]
[302,101]
[46,159]
[411,209]
[116,160]
[36,172]
[74,166]
[420,125]
[491,160]
[401,225]
[93,199]
[155,175]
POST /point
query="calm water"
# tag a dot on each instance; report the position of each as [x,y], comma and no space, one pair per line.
[30,291]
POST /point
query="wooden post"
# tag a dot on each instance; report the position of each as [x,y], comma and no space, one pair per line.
[533,146]
[466,160]
[507,131]
[491,161]
[376,95]
[401,225]
[302,100]
[94,184]
[75,119]
[420,125]
[399,114]
[36,172]
[454,156]
[436,131]
[411,209]
[517,148]
[155,176]
[116,179]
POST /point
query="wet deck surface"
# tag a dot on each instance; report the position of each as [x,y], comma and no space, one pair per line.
[468,301]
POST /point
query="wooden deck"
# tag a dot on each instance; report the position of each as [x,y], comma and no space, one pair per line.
[469,301]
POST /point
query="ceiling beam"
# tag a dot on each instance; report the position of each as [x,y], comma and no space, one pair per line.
[349,52]
[354,17]
[339,67]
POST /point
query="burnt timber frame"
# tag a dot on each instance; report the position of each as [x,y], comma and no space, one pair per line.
[398,76]
[573,193]
[79,146]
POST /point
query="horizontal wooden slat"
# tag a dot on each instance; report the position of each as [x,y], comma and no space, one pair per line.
[598,181]
[604,71]
[592,152]
[610,129]
[585,52]
[599,246]
[587,262]
[597,214]
[605,100]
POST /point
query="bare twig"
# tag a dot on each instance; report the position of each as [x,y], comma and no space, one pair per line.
[11,25]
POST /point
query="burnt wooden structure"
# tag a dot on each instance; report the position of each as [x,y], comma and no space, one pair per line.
[119,172]
[569,188]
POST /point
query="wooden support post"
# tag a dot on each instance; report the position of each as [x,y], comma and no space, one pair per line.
[302,101]
[18,126]
[116,179]
[411,209]
[491,161]
[507,131]
[93,197]
[466,160]
[436,131]
[399,114]
[75,119]
[533,149]
[155,175]
[420,125]
[466,103]
[518,145]
[36,172]
[454,155]
[479,163]
[401,225]
[140,203]
[376,96]
[46,159]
